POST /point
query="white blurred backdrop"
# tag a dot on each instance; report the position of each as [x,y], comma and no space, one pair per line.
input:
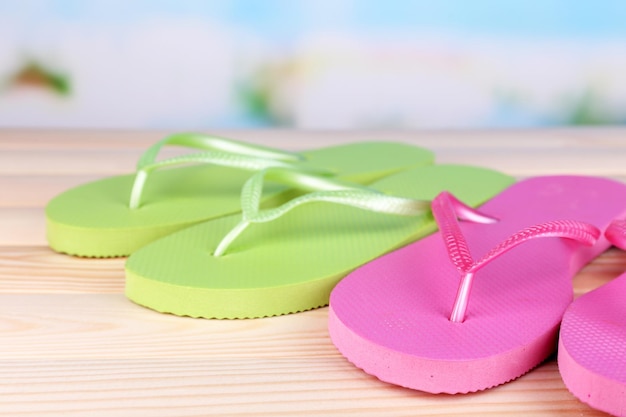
[325,64]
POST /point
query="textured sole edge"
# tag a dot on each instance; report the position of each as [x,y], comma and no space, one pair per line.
[111,243]
[249,317]
[221,304]
[456,377]
[591,388]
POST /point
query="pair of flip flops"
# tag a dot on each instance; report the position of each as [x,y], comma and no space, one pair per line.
[199,250]
[118,215]
[278,249]
[432,317]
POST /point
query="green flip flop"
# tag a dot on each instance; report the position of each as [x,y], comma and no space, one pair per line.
[285,259]
[116,216]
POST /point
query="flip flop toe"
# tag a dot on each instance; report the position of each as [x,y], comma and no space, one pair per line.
[287,259]
[592,342]
[432,317]
[115,216]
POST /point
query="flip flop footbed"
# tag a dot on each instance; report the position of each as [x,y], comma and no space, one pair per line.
[95,219]
[592,347]
[391,316]
[289,264]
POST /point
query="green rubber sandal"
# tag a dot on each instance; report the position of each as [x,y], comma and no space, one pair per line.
[116,216]
[287,259]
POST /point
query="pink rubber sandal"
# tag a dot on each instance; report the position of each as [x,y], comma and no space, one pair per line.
[394,316]
[592,343]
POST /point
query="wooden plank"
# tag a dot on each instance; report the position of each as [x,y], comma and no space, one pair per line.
[87,326]
[30,269]
[22,226]
[37,190]
[533,162]
[328,386]
[67,162]
[76,139]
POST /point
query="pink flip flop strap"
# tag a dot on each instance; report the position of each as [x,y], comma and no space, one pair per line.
[447,211]
[616,233]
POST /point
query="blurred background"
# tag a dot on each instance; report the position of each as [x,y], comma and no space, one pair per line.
[311,64]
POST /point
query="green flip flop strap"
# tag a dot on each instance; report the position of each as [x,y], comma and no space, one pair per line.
[218,151]
[323,190]
[215,143]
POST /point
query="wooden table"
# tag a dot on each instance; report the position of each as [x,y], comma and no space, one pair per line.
[71,344]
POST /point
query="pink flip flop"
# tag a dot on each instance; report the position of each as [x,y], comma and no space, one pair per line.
[592,344]
[394,316]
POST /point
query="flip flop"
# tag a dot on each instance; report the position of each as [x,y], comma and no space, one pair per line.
[115,216]
[289,260]
[592,343]
[408,318]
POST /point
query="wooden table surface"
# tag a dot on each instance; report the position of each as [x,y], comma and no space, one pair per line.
[71,344]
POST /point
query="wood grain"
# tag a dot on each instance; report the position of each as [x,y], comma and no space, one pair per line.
[71,344]
[263,387]
[37,269]
[36,190]
[22,226]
